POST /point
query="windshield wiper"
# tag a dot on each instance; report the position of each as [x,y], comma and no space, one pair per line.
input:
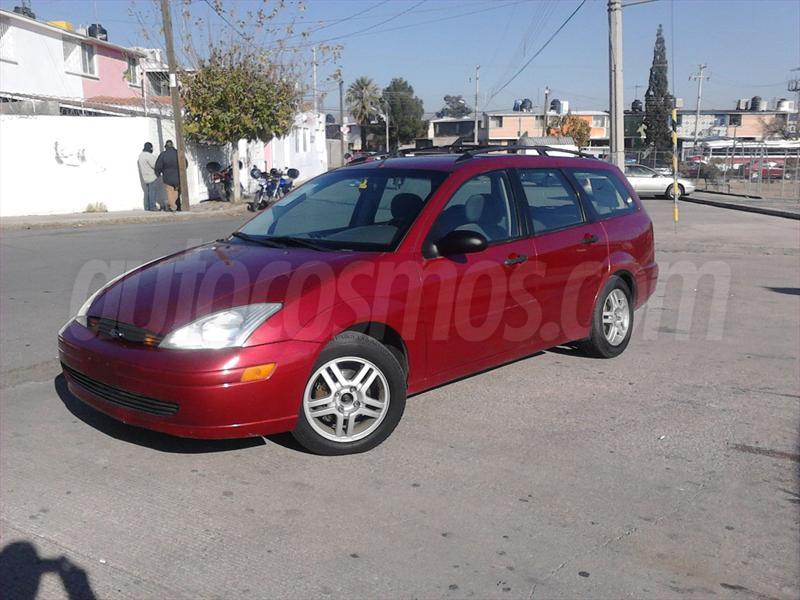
[301,242]
[261,241]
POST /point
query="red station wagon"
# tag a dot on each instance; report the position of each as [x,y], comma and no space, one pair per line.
[366,284]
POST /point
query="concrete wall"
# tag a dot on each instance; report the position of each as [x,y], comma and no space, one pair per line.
[58,164]
[35,63]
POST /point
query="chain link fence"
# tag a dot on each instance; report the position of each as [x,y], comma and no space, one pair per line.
[769,176]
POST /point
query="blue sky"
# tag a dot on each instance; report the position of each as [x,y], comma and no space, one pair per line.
[749,45]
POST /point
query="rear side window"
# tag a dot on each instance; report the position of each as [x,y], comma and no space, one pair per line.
[607,194]
[552,203]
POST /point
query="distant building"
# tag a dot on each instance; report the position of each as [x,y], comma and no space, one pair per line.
[445,131]
[506,127]
[53,60]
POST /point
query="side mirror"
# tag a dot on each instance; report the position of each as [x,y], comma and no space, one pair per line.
[461,242]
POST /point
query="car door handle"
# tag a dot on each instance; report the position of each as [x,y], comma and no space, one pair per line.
[589,238]
[515,259]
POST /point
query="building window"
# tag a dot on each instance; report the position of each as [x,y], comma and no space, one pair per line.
[6,47]
[87,58]
[735,120]
[79,58]
[599,121]
[495,121]
[133,71]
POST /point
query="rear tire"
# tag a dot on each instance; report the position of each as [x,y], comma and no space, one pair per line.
[354,397]
[612,321]
[681,192]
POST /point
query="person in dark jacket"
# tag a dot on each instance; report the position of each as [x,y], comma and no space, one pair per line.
[167,169]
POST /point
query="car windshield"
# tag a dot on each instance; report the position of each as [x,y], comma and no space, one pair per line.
[346,209]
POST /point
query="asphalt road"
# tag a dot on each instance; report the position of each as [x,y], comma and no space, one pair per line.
[669,472]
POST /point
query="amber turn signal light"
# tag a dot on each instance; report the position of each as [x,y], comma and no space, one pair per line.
[258,372]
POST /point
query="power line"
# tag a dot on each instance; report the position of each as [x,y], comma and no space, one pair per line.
[337,21]
[353,33]
[539,51]
[371,31]
[231,25]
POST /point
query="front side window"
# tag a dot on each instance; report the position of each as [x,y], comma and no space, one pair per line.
[552,203]
[482,204]
[608,196]
[348,209]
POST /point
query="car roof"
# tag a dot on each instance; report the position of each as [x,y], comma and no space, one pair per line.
[452,162]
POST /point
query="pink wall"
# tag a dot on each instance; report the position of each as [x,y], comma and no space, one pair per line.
[111,67]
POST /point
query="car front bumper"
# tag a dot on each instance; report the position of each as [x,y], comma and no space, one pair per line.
[187,393]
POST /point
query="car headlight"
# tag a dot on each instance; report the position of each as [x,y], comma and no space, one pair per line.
[224,329]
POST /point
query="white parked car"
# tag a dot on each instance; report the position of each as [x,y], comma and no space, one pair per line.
[648,182]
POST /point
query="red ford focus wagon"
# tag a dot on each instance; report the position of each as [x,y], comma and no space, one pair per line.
[366,284]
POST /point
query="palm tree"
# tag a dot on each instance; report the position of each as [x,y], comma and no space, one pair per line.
[363,98]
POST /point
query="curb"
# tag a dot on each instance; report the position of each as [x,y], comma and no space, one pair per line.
[772,212]
[729,194]
[78,221]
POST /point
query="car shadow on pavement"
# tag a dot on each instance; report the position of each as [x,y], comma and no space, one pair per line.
[144,437]
[569,350]
[21,570]
[792,291]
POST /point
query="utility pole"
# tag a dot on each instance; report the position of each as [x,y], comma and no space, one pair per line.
[477,91]
[793,85]
[341,119]
[314,77]
[177,115]
[699,76]
[544,112]
[615,84]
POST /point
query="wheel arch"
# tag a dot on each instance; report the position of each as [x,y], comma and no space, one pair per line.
[629,279]
[386,335]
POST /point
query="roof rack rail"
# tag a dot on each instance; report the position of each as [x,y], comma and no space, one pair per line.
[541,150]
[455,148]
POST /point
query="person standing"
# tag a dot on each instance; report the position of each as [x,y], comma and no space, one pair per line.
[147,175]
[167,169]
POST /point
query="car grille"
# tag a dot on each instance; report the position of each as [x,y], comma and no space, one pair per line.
[122,398]
[111,329]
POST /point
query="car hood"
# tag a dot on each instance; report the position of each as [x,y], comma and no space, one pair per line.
[182,287]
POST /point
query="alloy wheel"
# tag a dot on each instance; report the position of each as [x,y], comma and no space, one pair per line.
[346,399]
[616,317]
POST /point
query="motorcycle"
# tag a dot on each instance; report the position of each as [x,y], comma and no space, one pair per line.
[272,186]
[222,179]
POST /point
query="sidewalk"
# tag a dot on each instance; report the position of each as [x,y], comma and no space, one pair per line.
[203,210]
[786,208]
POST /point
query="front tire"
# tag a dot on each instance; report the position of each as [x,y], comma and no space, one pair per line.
[354,398]
[612,321]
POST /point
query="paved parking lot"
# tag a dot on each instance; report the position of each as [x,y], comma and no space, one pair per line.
[670,472]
